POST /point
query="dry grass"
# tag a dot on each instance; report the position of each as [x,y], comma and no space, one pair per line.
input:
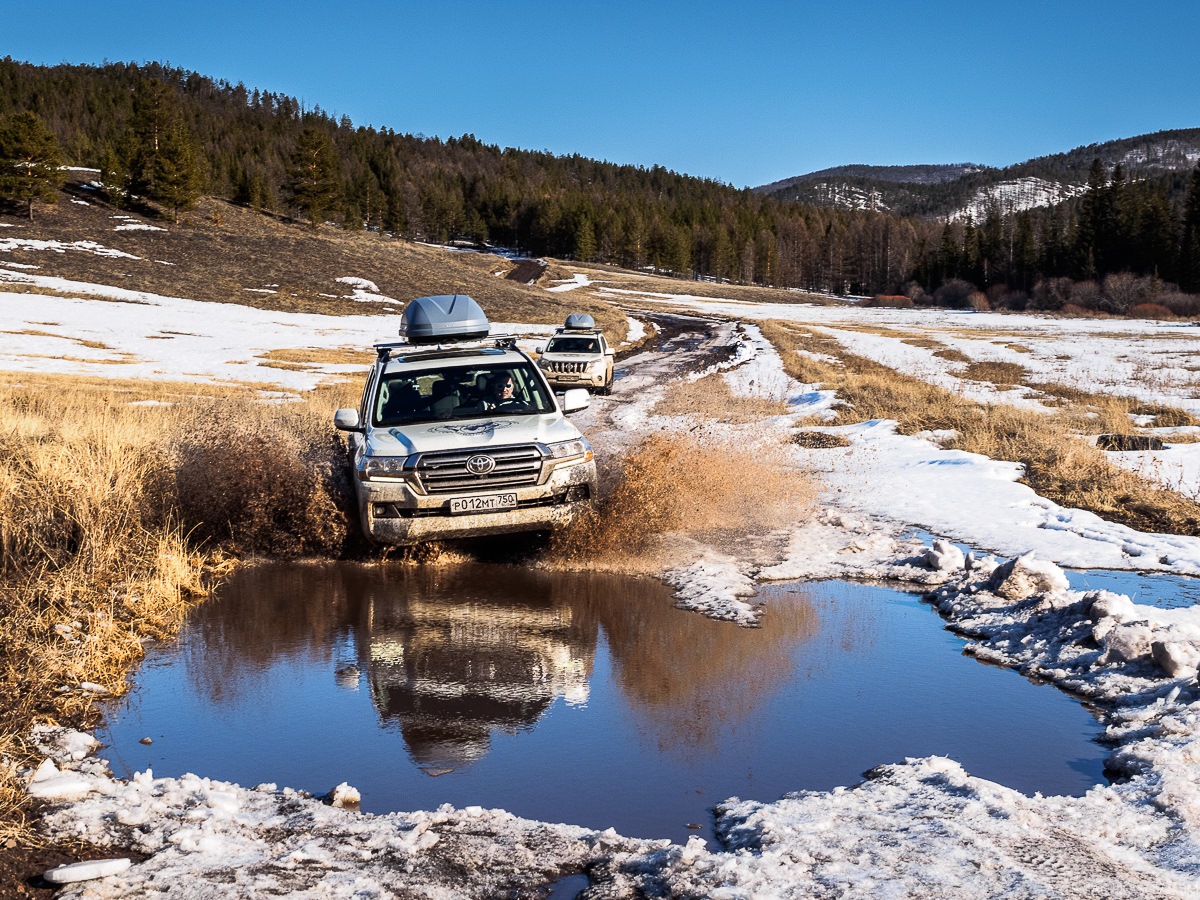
[682,483]
[111,513]
[711,398]
[338,356]
[1058,464]
[1005,374]
[952,355]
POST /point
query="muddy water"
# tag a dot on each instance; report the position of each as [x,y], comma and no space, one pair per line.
[576,698]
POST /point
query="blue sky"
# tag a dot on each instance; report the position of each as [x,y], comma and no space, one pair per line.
[746,93]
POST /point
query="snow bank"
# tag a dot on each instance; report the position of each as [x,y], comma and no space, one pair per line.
[206,838]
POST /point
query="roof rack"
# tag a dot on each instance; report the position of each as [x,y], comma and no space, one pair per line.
[385,349]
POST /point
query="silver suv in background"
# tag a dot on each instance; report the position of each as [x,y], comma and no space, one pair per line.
[578,356]
[459,437]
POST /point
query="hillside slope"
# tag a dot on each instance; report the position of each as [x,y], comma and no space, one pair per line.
[226,253]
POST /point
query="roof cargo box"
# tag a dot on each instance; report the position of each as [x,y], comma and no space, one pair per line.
[442,319]
[580,320]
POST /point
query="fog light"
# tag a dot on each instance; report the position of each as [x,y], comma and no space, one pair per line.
[577,492]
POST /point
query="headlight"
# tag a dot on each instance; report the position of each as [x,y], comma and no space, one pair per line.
[570,449]
[382,467]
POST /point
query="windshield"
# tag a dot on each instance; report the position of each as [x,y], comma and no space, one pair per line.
[459,392]
[573,345]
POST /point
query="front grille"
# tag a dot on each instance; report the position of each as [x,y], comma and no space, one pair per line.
[572,368]
[446,472]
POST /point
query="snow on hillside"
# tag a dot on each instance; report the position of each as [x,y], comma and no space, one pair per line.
[1164,155]
[846,197]
[1015,196]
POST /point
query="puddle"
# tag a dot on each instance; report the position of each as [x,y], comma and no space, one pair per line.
[1146,588]
[577,698]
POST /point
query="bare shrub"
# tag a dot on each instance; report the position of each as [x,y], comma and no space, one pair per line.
[1185,305]
[978,301]
[955,294]
[683,483]
[1150,311]
[261,479]
[1051,294]
[1123,290]
[1001,297]
[1085,294]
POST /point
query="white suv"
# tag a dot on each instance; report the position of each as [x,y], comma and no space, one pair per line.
[578,356]
[458,440]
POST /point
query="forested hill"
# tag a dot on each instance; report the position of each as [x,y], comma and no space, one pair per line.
[251,143]
[955,191]
[162,136]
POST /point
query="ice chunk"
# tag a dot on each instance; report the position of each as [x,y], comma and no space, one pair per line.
[64,786]
[345,797]
[1128,641]
[87,870]
[1025,576]
[1179,659]
[943,556]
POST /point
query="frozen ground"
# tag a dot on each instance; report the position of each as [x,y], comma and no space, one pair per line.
[914,828]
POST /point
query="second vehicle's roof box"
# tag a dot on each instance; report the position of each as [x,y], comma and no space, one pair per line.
[579,321]
[444,318]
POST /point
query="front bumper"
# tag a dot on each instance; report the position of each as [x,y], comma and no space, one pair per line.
[391,512]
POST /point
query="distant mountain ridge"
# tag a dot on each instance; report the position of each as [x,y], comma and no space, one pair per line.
[965,190]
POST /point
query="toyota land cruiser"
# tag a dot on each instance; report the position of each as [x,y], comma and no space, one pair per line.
[578,356]
[458,437]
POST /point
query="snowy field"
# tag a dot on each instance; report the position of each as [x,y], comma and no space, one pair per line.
[914,828]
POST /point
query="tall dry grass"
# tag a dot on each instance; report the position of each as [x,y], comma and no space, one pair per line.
[114,516]
[1058,463]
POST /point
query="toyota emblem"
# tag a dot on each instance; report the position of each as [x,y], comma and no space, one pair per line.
[480,465]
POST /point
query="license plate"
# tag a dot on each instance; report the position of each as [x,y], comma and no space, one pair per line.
[491,502]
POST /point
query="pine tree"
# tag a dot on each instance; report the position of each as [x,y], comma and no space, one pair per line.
[585,240]
[312,177]
[29,161]
[155,115]
[177,179]
[1093,214]
[1189,256]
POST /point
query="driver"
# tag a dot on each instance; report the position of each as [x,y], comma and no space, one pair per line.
[500,393]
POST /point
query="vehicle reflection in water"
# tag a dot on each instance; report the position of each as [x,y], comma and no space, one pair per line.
[575,697]
[449,667]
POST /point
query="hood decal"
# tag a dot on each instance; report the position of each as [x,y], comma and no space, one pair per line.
[473,429]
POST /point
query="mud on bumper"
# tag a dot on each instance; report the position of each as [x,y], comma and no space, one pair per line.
[392,513]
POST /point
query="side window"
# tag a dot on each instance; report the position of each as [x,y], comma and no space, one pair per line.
[364,403]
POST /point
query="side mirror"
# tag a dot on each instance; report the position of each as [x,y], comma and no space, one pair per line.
[575,399]
[346,420]
[539,349]
[610,352]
